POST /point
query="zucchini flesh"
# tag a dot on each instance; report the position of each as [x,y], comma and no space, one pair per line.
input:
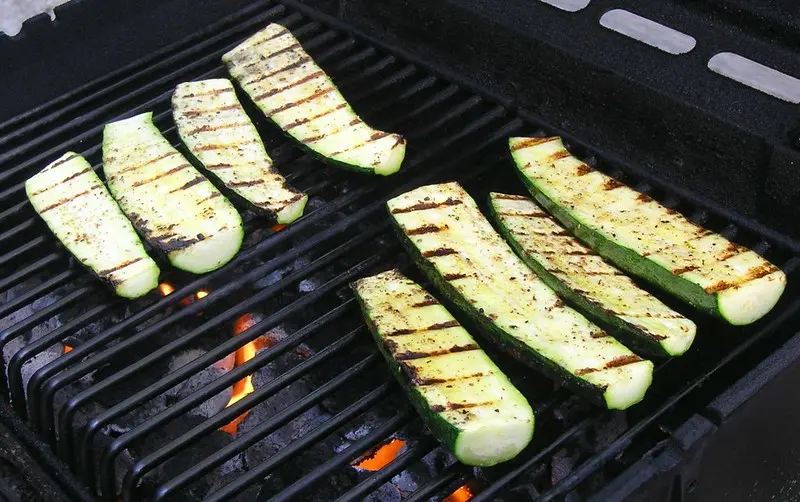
[175,208]
[77,207]
[583,278]
[296,94]
[215,128]
[468,403]
[460,252]
[644,238]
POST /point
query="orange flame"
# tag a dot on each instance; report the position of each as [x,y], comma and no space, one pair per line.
[67,348]
[244,386]
[165,288]
[462,494]
[382,456]
[201,293]
[278,227]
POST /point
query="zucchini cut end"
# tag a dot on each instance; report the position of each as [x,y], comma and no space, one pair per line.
[752,301]
[394,160]
[623,386]
[209,254]
[495,443]
[140,284]
[292,211]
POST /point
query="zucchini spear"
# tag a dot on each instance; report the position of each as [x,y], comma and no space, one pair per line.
[296,94]
[172,205]
[594,287]
[642,237]
[468,403]
[219,134]
[76,206]
[445,232]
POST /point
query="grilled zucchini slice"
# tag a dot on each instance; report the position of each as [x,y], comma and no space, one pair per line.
[642,237]
[215,128]
[76,206]
[175,208]
[457,248]
[468,403]
[296,94]
[594,287]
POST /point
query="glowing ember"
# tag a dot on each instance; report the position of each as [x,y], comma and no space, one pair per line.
[67,348]
[244,386]
[462,494]
[202,293]
[165,288]
[278,228]
[381,457]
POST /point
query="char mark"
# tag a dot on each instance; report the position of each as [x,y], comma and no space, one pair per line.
[291,66]
[410,355]
[122,265]
[454,277]
[306,120]
[69,199]
[278,90]
[439,252]
[211,128]
[532,142]
[315,95]
[427,205]
[68,178]
[195,181]
[425,229]
[151,161]
[198,113]
[161,175]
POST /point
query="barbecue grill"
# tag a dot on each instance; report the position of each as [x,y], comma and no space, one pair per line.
[259,381]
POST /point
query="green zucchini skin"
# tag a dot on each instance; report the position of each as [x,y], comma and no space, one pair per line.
[300,98]
[174,207]
[208,115]
[577,353]
[659,245]
[594,287]
[444,372]
[76,206]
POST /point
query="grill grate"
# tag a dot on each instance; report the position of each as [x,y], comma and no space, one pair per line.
[124,354]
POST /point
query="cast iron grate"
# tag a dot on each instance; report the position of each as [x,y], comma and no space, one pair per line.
[137,397]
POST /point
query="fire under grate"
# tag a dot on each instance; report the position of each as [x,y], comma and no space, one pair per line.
[259,381]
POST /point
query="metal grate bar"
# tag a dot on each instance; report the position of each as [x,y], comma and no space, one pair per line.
[257,473]
[345,457]
[425,446]
[36,292]
[224,417]
[451,475]
[278,420]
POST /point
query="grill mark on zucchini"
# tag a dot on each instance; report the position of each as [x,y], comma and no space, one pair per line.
[432,327]
[454,277]
[59,162]
[197,113]
[212,92]
[237,184]
[427,302]
[611,183]
[286,49]
[222,146]
[426,205]
[439,252]
[306,120]
[188,184]
[69,199]
[151,161]
[426,229]
[278,90]
[525,215]
[291,66]
[216,194]
[374,137]
[122,265]
[508,196]
[411,355]
[68,178]
[166,173]
[282,108]
[210,128]
[531,142]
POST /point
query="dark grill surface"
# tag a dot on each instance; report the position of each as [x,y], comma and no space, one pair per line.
[138,404]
